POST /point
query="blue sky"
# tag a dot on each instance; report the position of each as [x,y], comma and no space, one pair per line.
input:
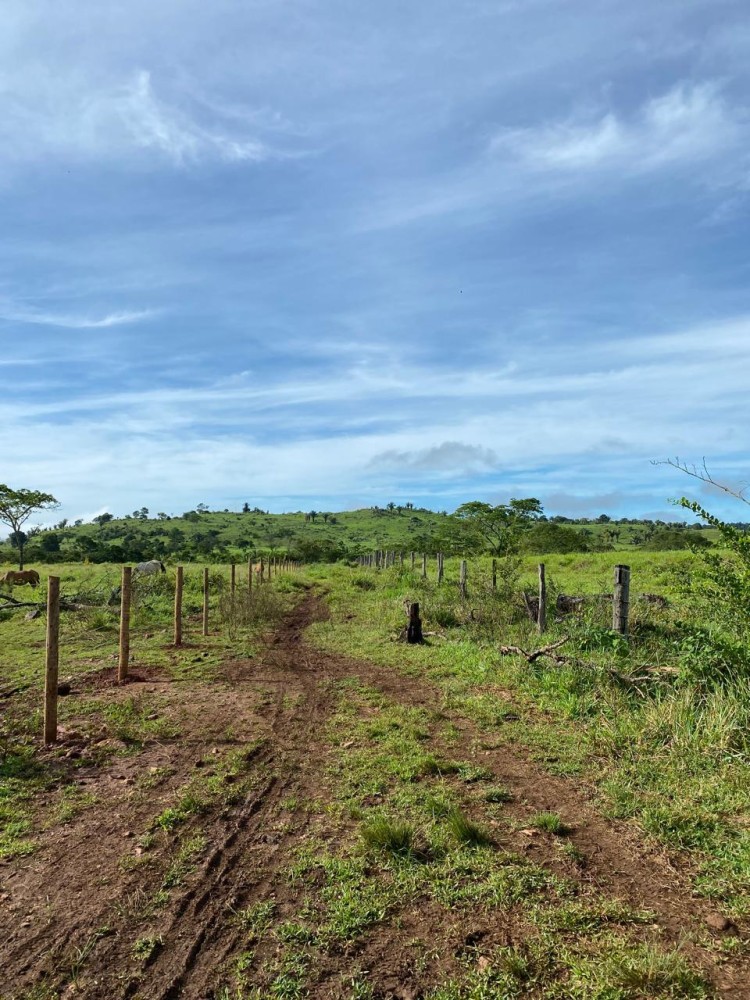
[309,253]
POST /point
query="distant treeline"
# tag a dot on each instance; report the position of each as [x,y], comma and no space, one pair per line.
[314,536]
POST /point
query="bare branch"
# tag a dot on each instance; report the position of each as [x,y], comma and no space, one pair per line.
[704,476]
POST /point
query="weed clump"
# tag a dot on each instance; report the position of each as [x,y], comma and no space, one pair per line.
[549,822]
[465,830]
[388,835]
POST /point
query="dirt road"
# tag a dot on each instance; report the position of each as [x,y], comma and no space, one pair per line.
[133,898]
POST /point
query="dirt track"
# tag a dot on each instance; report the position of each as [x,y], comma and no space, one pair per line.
[70,911]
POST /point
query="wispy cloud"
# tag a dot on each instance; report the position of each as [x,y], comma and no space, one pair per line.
[76,322]
[127,117]
[152,124]
[689,124]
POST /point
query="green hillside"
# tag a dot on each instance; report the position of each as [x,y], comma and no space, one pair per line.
[230,535]
[234,536]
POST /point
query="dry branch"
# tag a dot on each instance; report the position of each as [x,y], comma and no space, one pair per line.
[542,651]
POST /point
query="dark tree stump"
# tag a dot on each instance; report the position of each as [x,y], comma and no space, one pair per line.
[414,628]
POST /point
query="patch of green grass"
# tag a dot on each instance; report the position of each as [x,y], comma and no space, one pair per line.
[646,972]
[257,918]
[73,800]
[549,822]
[497,795]
[383,834]
[184,861]
[146,947]
[465,830]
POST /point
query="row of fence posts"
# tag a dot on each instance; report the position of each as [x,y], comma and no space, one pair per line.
[620,597]
[265,571]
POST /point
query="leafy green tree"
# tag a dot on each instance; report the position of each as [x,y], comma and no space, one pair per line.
[17,506]
[499,527]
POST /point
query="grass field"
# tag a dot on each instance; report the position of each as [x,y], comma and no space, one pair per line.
[357,812]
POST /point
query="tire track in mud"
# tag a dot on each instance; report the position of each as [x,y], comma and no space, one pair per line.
[248,848]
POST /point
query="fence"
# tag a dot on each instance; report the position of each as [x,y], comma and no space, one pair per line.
[263,572]
[620,595]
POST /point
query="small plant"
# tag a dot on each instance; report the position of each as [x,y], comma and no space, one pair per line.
[648,972]
[146,947]
[549,822]
[497,794]
[436,767]
[257,918]
[384,834]
[465,830]
[293,932]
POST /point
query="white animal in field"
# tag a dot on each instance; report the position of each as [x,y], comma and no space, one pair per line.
[150,568]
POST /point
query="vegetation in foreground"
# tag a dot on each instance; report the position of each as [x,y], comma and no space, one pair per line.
[656,724]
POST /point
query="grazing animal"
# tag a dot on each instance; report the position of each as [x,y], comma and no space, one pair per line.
[19,577]
[150,567]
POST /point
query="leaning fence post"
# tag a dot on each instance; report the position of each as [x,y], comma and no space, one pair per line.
[494,574]
[462,578]
[541,618]
[124,658]
[178,608]
[52,659]
[621,600]
[205,600]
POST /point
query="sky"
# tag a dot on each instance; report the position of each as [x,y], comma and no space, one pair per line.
[312,254]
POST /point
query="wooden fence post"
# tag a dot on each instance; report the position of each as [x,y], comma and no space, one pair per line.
[440,567]
[424,565]
[233,578]
[621,600]
[178,608]
[462,579]
[541,618]
[412,562]
[205,600]
[52,660]
[249,574]
[260,572]
[494,574]
[124,658]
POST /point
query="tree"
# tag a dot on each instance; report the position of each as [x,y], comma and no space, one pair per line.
[104,518]
[16,506]
[499,527]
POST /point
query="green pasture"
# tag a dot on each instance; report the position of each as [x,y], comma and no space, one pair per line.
[642,723]
[118,721]
[635,721]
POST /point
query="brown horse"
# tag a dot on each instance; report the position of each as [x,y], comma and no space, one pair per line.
[19,577]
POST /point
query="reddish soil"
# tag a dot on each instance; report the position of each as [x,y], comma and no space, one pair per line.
[69,912]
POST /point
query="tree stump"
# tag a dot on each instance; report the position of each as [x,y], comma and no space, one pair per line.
[414,628]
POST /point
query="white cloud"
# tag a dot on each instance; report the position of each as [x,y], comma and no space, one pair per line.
[381,435]
[75,322]
[85,119]
[689,124]
[449,457]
